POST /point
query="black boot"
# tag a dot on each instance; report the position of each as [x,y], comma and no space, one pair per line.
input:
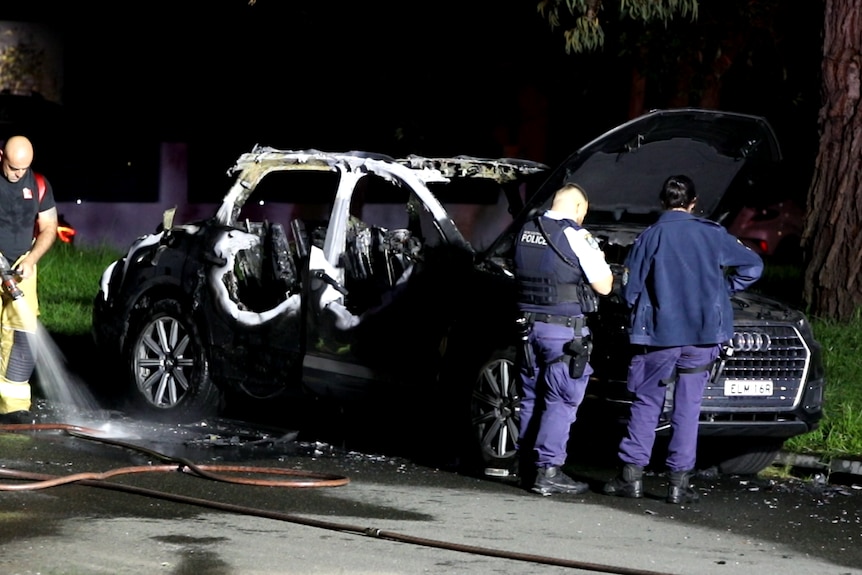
[629,483]
[17,418]
[680,489]
[552,480]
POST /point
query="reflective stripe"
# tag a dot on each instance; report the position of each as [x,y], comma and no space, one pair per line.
[14,396]
[15,389]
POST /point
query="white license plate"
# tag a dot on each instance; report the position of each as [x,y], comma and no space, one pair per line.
[760,387]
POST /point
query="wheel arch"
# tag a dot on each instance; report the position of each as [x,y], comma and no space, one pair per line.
[155,292]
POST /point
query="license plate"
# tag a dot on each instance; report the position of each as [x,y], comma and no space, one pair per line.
[748,387]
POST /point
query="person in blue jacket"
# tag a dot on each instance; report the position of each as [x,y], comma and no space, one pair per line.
[558,268]
[679,276]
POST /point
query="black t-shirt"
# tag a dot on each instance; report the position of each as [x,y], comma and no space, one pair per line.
[19,207]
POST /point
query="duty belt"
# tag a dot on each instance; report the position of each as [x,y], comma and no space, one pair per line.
[566,320]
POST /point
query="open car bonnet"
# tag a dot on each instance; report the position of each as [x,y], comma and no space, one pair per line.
[624,169]
[726,154]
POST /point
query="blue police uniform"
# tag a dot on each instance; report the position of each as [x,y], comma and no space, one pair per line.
[549,294]
[680,273]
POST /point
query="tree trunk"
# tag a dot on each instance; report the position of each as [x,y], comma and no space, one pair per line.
[638,90]
[832,239]
[731,45]
[637,95]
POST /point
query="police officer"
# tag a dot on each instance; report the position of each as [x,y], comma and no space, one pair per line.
[556,263]
[679,276]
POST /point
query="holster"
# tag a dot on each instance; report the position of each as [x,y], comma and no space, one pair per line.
[525,327]
[578,351]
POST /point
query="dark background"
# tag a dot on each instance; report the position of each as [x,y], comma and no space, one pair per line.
[484,77]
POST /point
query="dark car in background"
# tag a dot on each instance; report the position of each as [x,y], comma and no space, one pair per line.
[772,228]
[391,281]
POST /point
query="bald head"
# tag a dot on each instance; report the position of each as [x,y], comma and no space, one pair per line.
[17,157]
[571,200]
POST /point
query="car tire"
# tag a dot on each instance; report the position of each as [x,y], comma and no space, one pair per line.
[494,414]
[168,368]
[743,456]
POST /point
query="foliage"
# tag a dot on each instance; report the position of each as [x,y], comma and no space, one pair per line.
[582,26]
[840,432]
[759,57]
[68,282]
[20,65]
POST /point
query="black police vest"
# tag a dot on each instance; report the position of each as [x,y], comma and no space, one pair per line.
[546,282]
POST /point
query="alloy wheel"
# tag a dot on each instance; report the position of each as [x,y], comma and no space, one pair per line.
[495,409]
[163,362]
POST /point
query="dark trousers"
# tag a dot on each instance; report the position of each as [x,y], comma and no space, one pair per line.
[646,372]
[549,397]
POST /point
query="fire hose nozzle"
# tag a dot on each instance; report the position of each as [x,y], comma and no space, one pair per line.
[9,279]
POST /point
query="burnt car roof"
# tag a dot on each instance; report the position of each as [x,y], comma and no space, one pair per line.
[262,159]
[623,169]
[500,170]
[416,171]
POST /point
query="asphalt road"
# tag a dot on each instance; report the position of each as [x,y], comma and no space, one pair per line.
[376,513]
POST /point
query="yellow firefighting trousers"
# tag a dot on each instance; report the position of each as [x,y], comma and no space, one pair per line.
[18,323]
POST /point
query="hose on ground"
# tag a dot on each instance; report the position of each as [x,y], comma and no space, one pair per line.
[212,472]
[41,480]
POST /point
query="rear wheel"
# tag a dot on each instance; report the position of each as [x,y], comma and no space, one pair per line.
[169,373]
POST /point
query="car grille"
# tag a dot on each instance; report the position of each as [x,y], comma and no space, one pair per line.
[774,353]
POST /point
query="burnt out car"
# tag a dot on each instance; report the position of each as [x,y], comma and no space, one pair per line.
[380,280]
[338,276]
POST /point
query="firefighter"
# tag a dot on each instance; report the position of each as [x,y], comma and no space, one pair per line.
[23,209]
[559,267]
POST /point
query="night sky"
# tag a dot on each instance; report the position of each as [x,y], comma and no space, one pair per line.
[447,77]
[336,74]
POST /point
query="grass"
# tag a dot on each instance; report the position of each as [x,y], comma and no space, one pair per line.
[840,432]
[68,282]
[69,278]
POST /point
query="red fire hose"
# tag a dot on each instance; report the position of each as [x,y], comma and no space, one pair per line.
[213,472]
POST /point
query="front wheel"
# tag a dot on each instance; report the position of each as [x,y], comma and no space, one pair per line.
[742,455]
[169,373]
[494,408]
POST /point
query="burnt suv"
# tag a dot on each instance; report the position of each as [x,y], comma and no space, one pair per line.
[390,280]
